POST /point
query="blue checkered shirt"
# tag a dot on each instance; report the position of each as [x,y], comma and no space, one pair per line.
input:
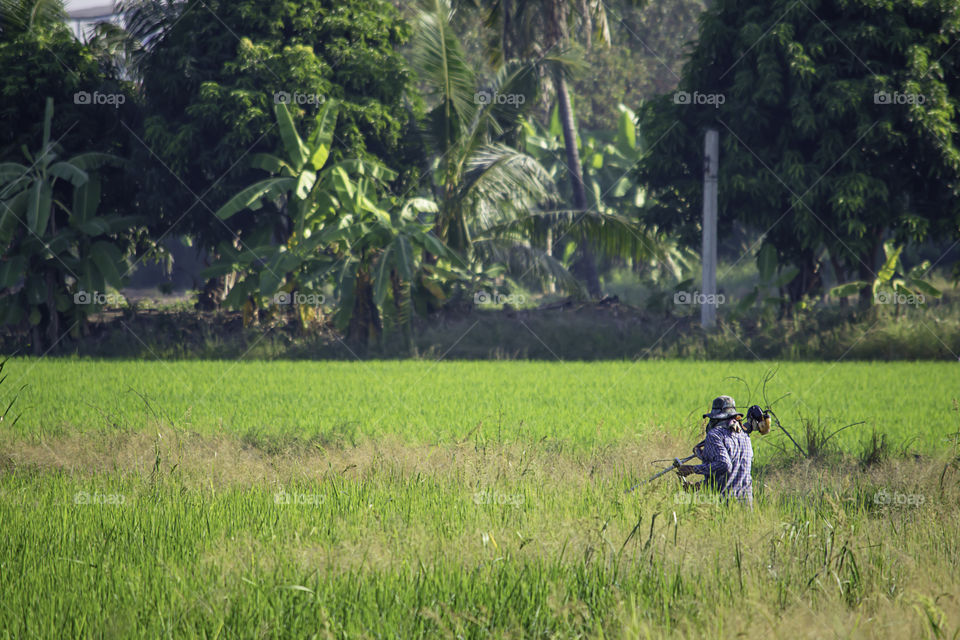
[727,460]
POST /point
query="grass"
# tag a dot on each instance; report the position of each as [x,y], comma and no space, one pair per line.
[103,536]
[472,500]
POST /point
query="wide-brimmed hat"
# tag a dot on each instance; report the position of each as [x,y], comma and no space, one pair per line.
[723,408]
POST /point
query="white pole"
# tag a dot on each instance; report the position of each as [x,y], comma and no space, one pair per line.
[711,162]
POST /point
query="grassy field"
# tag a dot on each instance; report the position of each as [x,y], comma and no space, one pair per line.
[581,404]
[252,499]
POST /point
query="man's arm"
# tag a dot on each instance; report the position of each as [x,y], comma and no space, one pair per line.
[716,460]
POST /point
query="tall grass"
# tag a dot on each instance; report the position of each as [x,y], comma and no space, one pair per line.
[182,535]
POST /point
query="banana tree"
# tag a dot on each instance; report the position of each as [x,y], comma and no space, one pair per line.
[302,187]
[342,234]
[383,277]
[894,284]
[58,260]
[770,276]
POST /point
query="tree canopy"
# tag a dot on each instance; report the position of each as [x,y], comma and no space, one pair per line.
[212,72]
[838,126]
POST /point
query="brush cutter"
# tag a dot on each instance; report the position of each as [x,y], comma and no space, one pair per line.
[677,462]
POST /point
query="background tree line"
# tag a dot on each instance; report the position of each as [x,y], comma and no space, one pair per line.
[393,159]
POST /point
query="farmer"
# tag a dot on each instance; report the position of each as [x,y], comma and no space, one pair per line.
[727,454]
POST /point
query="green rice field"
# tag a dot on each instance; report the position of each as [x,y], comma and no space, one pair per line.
[579,403]
[471,500]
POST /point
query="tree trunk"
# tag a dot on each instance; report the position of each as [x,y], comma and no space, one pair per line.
[807,281]
[365,326]
[53,322]
[506,38]
[214,291]
[399,293]
[586,266]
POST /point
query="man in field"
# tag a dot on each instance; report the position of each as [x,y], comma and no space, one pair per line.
[727,454]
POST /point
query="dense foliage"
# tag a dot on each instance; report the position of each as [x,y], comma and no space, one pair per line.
[838,126]
[472,146]
[211,73]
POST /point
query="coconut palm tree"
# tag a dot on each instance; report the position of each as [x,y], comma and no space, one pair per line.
[544,30]
[480,182]
[20,16]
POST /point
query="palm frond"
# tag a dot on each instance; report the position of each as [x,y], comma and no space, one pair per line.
[147,22]
[440,62]
[513,92]
[17,16]
[502,183]
[522,260]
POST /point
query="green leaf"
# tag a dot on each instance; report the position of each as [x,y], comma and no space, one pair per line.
[67,171]
[321,139]
[848,289]
[348,291]
[86,199]
[433,288]
[381,276]
[272,275]
[33,207]
[97,226]
[297,152]
[11,270]
[404,259]
[890,266]
[749,300]
[250,198]
[109,262]
[767,262]
[786,276]
[217,270]
[626,130]
[271,164]
[926,288]
[95,160]
[305,183]
[36,288]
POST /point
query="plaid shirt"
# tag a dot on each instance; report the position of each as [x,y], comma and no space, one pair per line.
[727,459]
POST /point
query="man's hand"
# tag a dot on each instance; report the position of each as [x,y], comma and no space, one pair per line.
[685,470]
[755,413]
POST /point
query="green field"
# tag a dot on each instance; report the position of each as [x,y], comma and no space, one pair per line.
[451,499]
[579,403]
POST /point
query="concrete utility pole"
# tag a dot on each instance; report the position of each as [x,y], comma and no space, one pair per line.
[711,164]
